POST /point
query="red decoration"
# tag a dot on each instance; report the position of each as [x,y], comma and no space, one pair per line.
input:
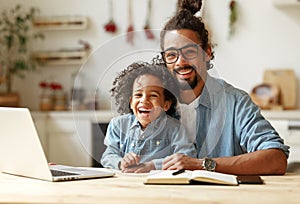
[43,85]
[130,34]
[111,26]
[55,86]
[148,32]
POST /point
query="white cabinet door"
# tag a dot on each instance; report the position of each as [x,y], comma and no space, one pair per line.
[40,122]
[294,140]
[291,137]
[69,141]
[281,126]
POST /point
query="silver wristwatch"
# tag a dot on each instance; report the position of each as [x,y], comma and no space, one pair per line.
[209,164]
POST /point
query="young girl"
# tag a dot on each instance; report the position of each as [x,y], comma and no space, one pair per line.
[148,129]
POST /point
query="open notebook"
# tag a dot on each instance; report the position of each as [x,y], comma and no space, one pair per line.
[190,177]
[21,152]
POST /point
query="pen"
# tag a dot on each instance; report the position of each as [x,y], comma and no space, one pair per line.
[178,172]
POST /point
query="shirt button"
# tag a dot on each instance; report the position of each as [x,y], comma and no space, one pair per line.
[132,144]
[157,143]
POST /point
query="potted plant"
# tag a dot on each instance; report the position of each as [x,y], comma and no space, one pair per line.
[15,35]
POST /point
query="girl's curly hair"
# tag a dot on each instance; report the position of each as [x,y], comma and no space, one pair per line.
[123,85]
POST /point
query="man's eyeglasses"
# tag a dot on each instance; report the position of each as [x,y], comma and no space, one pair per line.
[188,52]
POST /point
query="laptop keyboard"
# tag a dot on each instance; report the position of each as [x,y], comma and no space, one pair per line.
[61,173]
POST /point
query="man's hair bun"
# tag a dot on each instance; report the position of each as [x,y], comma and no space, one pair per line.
[192,5]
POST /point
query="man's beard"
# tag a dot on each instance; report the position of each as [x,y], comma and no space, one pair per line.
[188,84]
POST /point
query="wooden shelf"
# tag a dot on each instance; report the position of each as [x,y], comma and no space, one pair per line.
[61,22]
[9,99]
[61,57]
[286,3]
[3,80]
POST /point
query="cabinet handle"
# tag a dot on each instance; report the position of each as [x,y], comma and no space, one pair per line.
[294,125]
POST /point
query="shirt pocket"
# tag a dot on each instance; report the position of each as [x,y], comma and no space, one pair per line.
[156,146]
[130,145]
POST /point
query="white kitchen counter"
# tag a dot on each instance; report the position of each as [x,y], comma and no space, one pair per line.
[71,137]
[100,116]
[282,114]
[104,116]
[57,128]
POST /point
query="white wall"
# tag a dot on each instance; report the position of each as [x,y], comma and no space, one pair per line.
[265,37]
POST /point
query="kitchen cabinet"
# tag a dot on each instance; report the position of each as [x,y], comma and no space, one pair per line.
[69,141]
[291,138]
[287,123]
[40,122]
[67,137]
[72,137]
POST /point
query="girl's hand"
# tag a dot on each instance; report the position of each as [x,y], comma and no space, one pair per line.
[130,159]
[141,168]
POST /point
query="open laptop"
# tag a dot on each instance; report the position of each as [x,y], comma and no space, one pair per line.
[21,152]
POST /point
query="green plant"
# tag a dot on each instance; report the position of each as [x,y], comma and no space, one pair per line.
[232,17]
[15,35]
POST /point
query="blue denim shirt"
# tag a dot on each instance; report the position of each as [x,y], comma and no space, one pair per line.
[162,137]
[229,123]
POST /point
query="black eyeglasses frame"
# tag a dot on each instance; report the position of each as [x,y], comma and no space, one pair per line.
[179,51]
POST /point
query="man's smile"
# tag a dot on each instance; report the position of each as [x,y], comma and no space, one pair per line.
[184,70]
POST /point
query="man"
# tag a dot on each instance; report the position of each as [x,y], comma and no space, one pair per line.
[231,135]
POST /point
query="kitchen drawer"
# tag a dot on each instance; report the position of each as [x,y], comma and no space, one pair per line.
[68,149]
[289,130]
[280,124]
[294,132]
[294,137]
[294,153]
[61,126]
[70,142]
[294,125]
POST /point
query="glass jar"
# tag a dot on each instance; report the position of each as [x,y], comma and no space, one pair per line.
[46,102]
[59,100]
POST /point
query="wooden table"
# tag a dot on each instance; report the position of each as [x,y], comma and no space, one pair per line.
[129,189]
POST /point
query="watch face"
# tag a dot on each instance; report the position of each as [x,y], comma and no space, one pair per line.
[209,164]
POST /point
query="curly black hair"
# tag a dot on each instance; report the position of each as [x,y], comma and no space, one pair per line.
[185,19]
[123,85]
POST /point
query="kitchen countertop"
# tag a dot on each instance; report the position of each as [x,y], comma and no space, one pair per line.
[100,116]
[282,114]
[106,115]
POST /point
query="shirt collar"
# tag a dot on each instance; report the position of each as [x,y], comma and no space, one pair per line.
[211,92]
[193,105]
[135,122]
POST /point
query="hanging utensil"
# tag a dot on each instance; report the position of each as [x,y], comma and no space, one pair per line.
[130,29]
[148,32]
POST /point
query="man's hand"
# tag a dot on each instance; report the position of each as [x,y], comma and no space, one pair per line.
[180,161]
[141,168]
[130,159]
